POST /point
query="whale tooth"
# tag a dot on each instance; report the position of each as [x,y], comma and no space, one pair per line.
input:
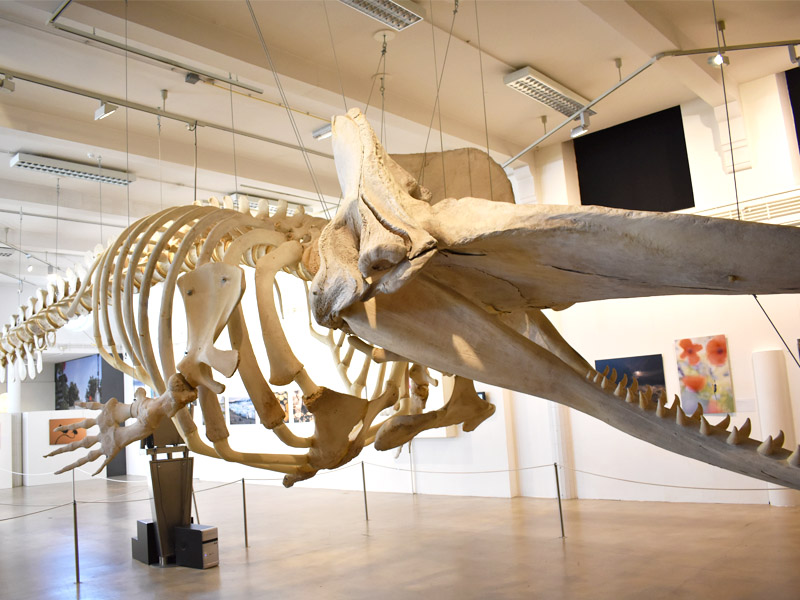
[745,428]
[590,375]
[622,387]
[605,371]
[766,447]
[662,410]
[794,459]
[706,428]
[777,441]
[724,423]
[613,376]
[632,397]
[645,399]
[680,417]
[634,386]
[739,435]
[608,385]
[598,379]
[698,412]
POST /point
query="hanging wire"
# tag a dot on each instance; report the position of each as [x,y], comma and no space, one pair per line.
[58,220]
[100,195]
[233,140]
[374,77]
[160,165]
[127,125]
[19,260]
[483,101]
[439,77]
[719,31]
[335,58]
[383,94]
[285,101]
[193,128]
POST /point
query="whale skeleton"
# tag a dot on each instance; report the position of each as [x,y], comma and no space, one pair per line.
[411,283]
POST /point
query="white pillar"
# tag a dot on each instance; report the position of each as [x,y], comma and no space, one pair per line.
[775,409]
[511,443]
[562,447]
[14,389]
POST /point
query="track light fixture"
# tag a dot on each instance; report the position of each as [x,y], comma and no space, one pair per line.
[105,109]
[582,128]
[718,60]
[7,84]
[322,133]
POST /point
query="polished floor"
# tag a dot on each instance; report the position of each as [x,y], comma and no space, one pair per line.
[307,543]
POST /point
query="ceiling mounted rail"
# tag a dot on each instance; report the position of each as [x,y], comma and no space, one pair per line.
[189,69]
[192,122]
[666,54]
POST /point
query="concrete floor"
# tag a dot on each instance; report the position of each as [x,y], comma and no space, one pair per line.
[307,543]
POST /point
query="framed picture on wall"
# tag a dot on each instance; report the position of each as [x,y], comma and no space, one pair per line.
[648,369]
[704,372]
[72,434]
[241,411]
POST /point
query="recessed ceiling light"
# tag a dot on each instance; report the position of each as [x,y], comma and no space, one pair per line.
[397,14]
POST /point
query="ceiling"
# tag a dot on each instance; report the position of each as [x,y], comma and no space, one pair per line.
[325,55]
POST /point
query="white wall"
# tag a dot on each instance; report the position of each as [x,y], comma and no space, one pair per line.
[36,443]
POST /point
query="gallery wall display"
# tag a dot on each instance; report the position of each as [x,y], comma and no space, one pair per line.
[241,411]
[78,380]
[73,434]
[648,369]
[704,372]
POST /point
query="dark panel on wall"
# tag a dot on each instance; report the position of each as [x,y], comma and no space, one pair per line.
[793,83]
[114,387]
[639,165]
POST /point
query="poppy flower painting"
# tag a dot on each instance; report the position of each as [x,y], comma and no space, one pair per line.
[705,374]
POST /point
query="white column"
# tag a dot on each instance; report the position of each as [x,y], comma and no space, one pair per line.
[775,409]
[562,447]
[511,443]
[14,389]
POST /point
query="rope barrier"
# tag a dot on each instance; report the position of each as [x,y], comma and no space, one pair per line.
[35,513]
[680,487]
[458,472]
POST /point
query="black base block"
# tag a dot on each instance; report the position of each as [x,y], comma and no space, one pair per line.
[196,546]
[143,546]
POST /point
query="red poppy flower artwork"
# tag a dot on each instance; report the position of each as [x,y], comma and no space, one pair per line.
[717,350]
[704,373]
[690,350]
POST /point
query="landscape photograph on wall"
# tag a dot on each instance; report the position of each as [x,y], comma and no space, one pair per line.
[78,380]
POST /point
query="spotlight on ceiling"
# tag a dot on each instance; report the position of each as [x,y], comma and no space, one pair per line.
[541,88]
[192,78]
[718,60]
[105,109]
[322,133]
[63,168]
[397,14]
[582,128]
[7,84]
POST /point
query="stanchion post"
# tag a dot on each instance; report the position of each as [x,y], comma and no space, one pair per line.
[196,512]
[364,483]
[411,465]
[75,531]
[244,514]
[558,494]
